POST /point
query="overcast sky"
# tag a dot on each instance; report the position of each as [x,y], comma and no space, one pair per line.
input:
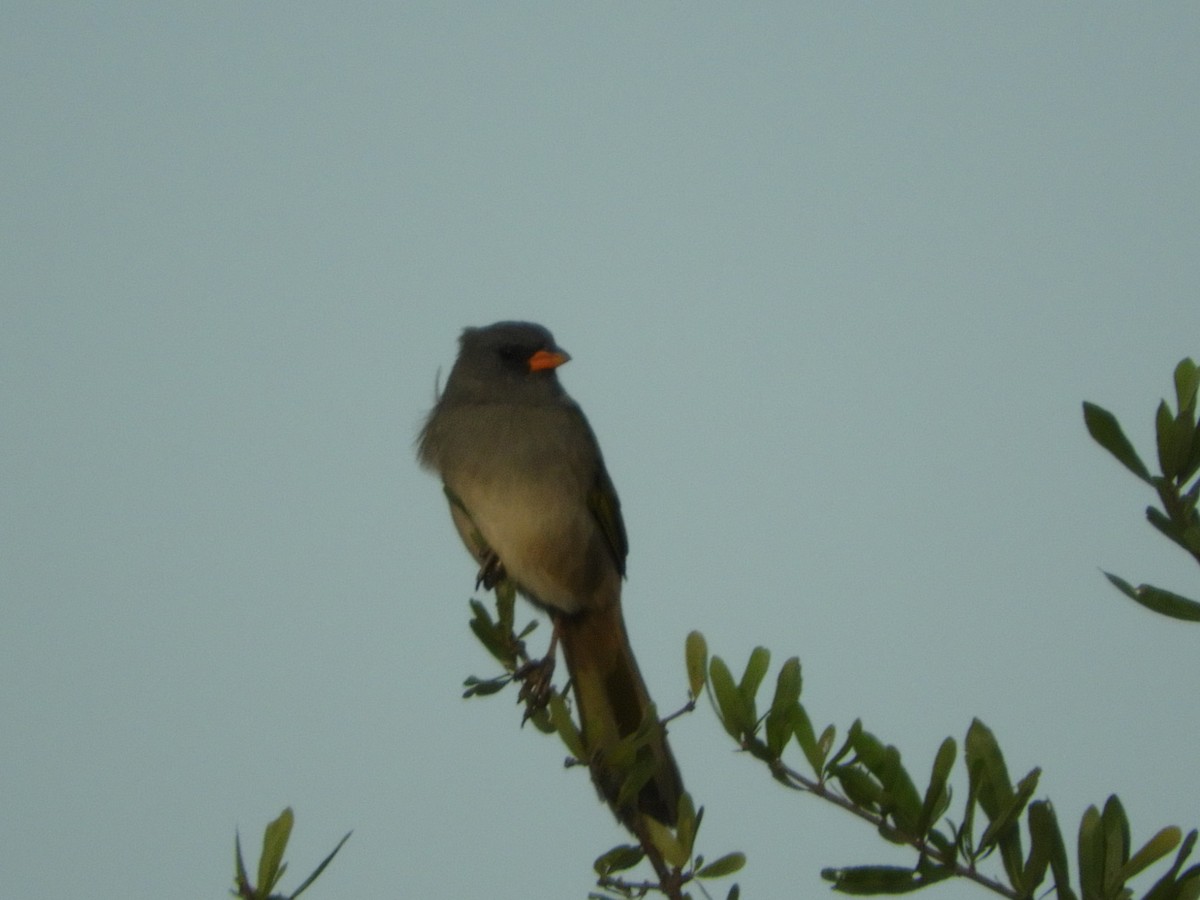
[835,280]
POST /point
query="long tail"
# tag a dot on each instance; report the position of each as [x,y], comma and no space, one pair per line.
[612,701]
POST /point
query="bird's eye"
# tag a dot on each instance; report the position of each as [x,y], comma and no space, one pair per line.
[513,353]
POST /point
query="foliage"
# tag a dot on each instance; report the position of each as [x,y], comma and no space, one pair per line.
[670,852]
[1178,437]
[867,777]
[270,862]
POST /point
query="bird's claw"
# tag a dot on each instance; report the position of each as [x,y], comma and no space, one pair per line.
[536,687]
[491,572]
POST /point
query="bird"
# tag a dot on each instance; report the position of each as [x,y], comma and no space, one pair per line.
[533,503]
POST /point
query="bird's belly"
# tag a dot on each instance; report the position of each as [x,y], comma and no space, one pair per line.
[544,545]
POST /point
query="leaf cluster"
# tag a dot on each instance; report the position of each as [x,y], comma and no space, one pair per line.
[1178,439]
[270,862]
[867,777]
[671,852]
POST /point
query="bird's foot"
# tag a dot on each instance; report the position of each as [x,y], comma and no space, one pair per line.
[536,684]
[491,572]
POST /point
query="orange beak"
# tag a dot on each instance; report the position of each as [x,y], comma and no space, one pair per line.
[547,359]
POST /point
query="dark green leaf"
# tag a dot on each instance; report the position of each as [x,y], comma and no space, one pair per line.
[756,669]
[1187,382]
[803,729]
[696,654]
[1091,854]
[1158,600]
[1174,441]
[735,893]
[1047,840]
[870,749]
[1041,846]
[1116,843]
[783,704]
[1007,818]
[861,789]
[321,868]
[726,865]
[995,794]
[736,718]
[995,789]
[1164,888]
[937,795]
[1106,431]
[240,877]
[862,880]
[687,822]
[618,859]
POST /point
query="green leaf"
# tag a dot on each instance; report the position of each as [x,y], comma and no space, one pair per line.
[1007,817]
[1106,431]
[696,654]
[735,893]
[241,879]
[1116,843]
[756,669]
[862,880]
[618,859]
[1165,887]
[1174,441]
[687,822]
[275,841]
[1041,846]
[1187,383]
[860,788]
[783,706]
[1091,854]
[664,840]
[726,865]
[737,719]
[321,868]
[1152,851]
[986,764]
[937,795]
[1158,600]
[802,727]
[1047,839]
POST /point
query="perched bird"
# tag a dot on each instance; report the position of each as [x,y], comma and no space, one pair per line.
[533,503]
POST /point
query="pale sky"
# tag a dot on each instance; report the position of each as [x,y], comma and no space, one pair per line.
[835,280]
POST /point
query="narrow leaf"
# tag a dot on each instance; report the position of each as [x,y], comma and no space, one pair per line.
[1116,843]
[1152,851]
[1106,431]
[756,669]
[936,795]
[275,841]
[696,654]
[1158,600]
[321,868]
[1091,854]
[734,715]
[802,727]
[1187,382]
[1171,454]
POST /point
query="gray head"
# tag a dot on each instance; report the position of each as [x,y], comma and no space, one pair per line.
[507,360]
